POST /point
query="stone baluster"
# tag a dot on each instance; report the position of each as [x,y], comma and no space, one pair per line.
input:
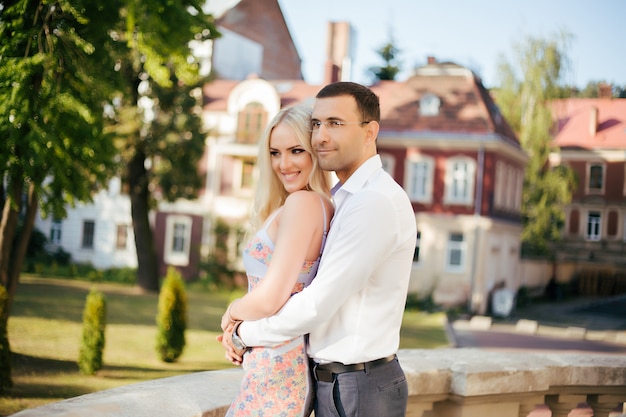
[529,404]
[562,404]
[602,405]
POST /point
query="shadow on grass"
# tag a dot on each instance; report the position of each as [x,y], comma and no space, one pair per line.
[125,304]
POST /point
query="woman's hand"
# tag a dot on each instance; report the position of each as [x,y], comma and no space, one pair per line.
[233,355]
[227,318]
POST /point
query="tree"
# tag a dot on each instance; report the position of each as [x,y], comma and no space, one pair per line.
[389,53]
[93,338]
[171,317]
[524,100]
[53,83]
[157,118]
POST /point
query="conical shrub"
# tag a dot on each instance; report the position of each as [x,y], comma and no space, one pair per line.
[94,324]
[171,317]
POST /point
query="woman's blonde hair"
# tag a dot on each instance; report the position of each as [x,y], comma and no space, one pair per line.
[271,193]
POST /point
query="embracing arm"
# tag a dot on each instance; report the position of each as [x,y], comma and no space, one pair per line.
[293,245]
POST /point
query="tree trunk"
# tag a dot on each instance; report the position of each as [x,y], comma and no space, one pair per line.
[147,261]
[22,243]
[8,225]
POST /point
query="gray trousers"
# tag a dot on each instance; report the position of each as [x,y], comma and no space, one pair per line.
[377,392]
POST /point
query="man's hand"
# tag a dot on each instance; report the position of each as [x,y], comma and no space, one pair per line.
[233,355]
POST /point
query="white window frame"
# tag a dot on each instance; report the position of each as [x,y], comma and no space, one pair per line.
[88,241]
[590,166]
[430,105]
[121,232]
[498,199]
[56,231]
[389,163]
[177,227]
[455,246]
[419,178]
[596,224]
[466,178]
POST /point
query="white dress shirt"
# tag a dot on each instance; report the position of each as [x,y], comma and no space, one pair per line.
[353,308]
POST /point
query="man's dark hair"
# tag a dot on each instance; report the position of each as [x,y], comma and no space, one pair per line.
[367,102]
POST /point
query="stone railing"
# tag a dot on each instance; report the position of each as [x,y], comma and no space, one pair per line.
[442,382]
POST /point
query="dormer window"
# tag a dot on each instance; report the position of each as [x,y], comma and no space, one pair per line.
[429,105]
[250,123]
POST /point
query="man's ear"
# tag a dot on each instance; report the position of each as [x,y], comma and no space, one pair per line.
[372,131]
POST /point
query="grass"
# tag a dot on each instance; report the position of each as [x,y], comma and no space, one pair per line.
[45,330]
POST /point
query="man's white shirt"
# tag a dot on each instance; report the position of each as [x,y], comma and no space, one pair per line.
[353,309]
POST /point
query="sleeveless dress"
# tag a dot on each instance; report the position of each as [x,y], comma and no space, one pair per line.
[276,381]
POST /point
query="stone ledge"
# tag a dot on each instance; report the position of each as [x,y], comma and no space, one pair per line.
[433,375]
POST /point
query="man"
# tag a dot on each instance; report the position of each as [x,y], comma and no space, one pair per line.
[353,308]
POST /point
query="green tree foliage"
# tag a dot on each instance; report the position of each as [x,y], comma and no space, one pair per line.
[53,83]
[93,340]
[6,381]
[156,117]
[171,317]
[389,54]
[524,98]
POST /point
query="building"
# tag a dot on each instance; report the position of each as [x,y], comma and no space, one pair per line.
[442,138]
[591,136]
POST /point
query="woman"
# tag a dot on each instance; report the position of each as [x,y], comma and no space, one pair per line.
[292,213]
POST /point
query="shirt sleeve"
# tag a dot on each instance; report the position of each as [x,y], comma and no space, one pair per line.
[361,237]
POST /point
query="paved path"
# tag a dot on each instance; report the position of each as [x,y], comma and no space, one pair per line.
[580,325]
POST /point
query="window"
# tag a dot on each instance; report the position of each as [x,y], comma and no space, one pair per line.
[177,240]
[89,227]
[419,181]
[238,176]
[593,225]
[460,181]
[455,253]
[389,163]
[55,232]
[429,105]
[596,178]
[251,122]
[121,239]
[416,254]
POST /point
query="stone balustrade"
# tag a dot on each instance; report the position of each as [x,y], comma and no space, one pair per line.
[442,383]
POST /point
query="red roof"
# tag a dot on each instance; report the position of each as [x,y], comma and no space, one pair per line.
[466,107]
[590,123]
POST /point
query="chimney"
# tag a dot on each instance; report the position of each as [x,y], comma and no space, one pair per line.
[605,90]
[338,52]
[431,60]
[593,121]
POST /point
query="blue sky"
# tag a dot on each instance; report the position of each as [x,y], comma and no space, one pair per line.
[473,33]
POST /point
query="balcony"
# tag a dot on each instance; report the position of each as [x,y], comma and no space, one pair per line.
[442,383]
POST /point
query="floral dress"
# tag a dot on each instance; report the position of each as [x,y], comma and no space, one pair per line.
[276,381]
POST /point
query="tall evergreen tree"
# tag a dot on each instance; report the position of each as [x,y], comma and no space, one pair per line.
[524,98]
[389,54]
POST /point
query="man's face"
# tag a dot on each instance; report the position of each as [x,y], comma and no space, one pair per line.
[340,138]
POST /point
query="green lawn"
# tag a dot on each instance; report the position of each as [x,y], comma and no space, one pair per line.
[45,332]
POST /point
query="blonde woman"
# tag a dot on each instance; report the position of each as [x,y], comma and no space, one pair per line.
[292,213]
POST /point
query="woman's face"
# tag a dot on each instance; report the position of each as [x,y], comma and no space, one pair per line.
[290,161]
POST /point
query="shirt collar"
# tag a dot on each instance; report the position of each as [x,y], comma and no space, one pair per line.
[357,180]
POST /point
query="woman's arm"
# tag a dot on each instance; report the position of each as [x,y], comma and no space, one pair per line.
[298,238]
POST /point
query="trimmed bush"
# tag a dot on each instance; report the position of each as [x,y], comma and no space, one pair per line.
[171,317]
[94,324]
[5,349]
